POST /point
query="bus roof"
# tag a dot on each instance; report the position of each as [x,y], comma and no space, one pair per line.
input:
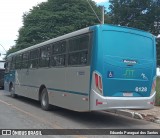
[79,32]
[72,34]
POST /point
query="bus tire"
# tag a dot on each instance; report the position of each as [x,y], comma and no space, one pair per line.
[11,90]
[44,100]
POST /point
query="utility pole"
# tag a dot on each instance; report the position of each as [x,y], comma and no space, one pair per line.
[102,20]
[103,10]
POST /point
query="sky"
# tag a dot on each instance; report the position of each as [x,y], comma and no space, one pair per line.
[11,12]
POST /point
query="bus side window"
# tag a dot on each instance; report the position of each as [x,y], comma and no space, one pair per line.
[25,60]
[58,54]
[6,67]
[45,56]
[18,61]
[34,58]
[12,63]
[78,50]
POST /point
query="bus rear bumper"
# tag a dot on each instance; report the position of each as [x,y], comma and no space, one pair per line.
[98,102]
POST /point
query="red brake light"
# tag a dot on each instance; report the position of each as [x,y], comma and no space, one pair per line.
[98,82]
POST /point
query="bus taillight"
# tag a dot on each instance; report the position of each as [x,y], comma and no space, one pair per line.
[153,87]
[98,82]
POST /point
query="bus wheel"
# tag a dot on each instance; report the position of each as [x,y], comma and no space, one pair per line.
[11,90]
[44,100]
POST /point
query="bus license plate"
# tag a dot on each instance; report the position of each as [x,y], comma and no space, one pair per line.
[127,94]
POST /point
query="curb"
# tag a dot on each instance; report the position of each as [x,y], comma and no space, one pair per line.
[151,118]
[136,115]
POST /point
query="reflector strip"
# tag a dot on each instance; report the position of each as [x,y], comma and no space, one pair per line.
[97,102]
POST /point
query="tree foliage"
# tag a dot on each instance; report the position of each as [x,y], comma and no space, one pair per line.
[158,52]
[140,14]
[55,18]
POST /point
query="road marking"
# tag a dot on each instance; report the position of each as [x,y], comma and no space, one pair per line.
[56,126]
[5,103]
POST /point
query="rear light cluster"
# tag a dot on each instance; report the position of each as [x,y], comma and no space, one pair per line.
[153,87]
[98,82]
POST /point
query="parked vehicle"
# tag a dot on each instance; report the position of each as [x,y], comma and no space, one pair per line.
[2,72]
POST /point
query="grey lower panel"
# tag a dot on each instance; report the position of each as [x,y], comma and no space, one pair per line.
[70,101]
[30,92]
[68,87]
[99,102]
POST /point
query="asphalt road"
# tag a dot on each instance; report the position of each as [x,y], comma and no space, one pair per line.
[24,113]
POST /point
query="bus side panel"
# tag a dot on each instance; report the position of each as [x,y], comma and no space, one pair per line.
[29,81]
[25,83]
[64,91]
[75,96]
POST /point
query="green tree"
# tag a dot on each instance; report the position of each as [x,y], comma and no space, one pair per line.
[141,14]
[55,18]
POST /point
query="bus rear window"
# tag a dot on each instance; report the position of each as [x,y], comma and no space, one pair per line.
[122,44]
